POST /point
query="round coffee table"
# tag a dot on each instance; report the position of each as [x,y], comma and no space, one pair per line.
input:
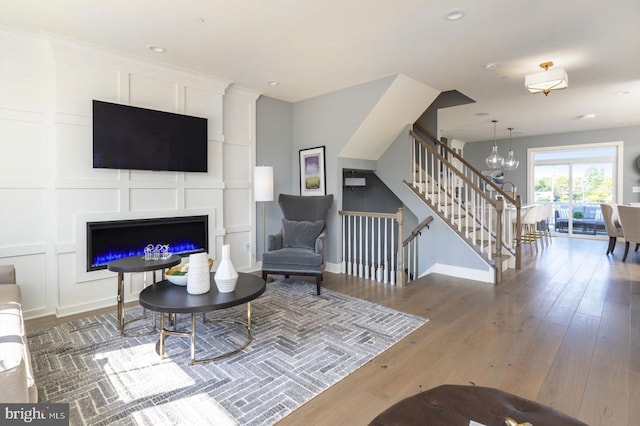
[137,264]
[167,298]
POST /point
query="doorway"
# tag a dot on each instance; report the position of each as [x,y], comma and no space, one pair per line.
[575,179]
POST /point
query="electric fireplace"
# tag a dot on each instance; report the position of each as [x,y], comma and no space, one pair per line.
[112,240]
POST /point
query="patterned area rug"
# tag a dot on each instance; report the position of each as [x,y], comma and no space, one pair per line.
[302,344]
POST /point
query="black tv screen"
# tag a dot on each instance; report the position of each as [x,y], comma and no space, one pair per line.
[128,137]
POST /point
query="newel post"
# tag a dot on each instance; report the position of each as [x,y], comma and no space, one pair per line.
[401,277]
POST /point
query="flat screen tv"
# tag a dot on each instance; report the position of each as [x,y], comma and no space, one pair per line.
[128,137]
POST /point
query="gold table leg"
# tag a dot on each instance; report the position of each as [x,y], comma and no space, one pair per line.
[120,300]
[164,333]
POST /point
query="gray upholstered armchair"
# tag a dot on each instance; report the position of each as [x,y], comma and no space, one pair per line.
[299,248]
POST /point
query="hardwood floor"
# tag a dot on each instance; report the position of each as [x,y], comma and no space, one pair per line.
[564,330]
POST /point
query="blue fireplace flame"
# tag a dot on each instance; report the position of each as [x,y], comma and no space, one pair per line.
[102,259]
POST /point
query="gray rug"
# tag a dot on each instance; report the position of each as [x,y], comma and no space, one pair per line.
[302,344]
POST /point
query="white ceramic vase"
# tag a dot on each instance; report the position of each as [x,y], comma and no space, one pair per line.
[198,277]
[226,275]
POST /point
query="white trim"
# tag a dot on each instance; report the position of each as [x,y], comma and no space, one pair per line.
[487,276]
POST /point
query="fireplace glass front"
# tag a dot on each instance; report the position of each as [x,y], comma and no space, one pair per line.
[112,240]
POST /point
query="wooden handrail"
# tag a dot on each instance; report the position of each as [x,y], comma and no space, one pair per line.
[416,231]
[453,168]
[458,157]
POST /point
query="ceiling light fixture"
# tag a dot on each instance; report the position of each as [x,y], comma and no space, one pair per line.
[494,161]
[273,83]
[547,80]
[510,163]
[455,15]
[157,49]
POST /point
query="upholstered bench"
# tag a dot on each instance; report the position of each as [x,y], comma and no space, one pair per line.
[456,405]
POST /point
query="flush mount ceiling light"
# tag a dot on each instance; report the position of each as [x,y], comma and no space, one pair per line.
[273,83]
[547,80]
[494,161]
[157,49]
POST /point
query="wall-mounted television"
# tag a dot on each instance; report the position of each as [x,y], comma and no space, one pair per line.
[128,137]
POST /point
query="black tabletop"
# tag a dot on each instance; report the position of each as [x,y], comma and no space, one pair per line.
[166,297]
[139,264]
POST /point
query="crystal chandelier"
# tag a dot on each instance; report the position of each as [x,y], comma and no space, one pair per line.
[510,163]
[494,161]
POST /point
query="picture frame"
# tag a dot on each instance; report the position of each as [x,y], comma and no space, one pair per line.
[313,179]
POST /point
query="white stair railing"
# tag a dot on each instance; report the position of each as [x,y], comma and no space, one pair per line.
[470,203]
[372,246]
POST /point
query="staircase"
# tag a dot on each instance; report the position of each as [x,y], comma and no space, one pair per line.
[482,214]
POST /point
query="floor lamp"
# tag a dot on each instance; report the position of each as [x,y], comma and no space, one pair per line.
[263,192]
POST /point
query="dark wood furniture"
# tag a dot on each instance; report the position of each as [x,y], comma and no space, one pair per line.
[137,264]
[167,298]
[456,405]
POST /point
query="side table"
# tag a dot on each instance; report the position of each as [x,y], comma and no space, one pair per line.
[137,264]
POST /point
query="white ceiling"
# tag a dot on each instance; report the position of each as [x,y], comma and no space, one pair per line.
[314,47]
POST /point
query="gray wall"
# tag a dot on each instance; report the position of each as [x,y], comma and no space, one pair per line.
[274,147]
[330,120]
[476,152]
[284,128]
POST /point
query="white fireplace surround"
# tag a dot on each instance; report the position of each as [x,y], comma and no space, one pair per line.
[51,190]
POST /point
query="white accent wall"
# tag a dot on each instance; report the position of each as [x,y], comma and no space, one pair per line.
[49,190]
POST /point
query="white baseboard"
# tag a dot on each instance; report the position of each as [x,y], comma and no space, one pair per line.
[459,272]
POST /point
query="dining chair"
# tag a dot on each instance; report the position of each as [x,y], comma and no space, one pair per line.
[611,224]
[630,221]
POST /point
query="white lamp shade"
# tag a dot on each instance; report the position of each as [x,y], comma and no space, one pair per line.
[553,79]
[263,183]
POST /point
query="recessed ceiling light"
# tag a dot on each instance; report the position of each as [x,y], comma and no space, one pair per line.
[455,14]
[587,116]
[622,93]
[481,114]
[273,83]
[490,66]
[157,49]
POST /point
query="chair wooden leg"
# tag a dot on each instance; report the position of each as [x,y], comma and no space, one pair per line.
[612,245]
[626,251]
[318,280]
[637,245]
[264,276]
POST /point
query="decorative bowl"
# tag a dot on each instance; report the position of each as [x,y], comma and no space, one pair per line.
[178,274]
[180,280]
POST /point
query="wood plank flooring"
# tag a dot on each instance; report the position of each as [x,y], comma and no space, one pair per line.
[564,330]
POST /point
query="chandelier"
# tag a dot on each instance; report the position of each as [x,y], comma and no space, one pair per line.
[494,161]
[510,163]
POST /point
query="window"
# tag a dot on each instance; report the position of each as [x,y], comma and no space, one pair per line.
[576,179]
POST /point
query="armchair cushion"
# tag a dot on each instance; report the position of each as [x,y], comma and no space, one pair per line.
[300,234]
[299,257]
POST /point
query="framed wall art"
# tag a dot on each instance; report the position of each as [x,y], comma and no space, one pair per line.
[312,171]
